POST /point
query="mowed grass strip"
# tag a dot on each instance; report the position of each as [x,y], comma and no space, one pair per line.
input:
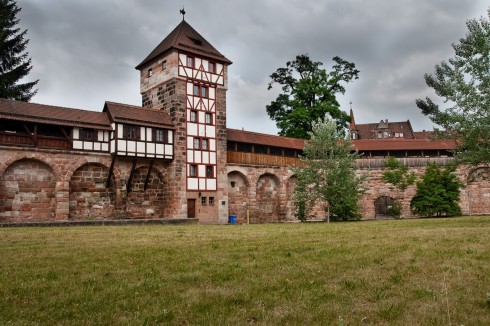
[412,272]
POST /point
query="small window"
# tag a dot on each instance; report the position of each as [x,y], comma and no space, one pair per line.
[204,92]
[196,143]
[164,64]
[209,171]
[203,201]
[87,134]
[204,144]
[131,132]
[190,62]
[209,118]
[380,134]
[196,90]
[386,134]
[211,201]
[160,136]
[150,72]
[353,135]
[193,170]
[193,116]
[212,67]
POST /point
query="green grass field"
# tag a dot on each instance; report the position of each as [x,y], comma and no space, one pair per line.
[398,272]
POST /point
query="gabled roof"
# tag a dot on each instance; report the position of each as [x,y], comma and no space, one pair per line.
[185,38]
[53,115]
[131,114]
[249,137]
[368,130]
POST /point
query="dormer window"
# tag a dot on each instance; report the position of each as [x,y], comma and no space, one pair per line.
[353,135]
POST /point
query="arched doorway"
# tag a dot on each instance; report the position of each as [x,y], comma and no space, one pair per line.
[149,202]
[479,191]
[238,196]
[27,192]
[382,206]
[90,195]
[267,199]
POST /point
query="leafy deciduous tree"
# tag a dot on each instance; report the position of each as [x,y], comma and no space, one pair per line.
[437,193]
[327,173]
[309,94]
[464,84]
[14,62]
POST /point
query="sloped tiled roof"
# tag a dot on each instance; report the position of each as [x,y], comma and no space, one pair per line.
[54,115]
[249,137]
[185,38]
[368,130]
[124,113]
[402,144]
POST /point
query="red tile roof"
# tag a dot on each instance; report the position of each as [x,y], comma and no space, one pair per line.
[185,38]
[124,113]
[402,144]
[249,137]
[54,115]
[369,130]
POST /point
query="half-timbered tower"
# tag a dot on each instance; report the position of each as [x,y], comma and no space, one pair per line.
[187,77]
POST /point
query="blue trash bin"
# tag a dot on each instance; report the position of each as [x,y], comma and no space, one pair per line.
[232,219]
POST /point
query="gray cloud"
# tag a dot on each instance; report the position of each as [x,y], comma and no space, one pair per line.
[84,51]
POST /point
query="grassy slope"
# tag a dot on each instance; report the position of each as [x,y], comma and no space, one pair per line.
[427,272]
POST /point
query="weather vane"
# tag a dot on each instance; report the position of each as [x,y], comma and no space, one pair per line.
[182,11]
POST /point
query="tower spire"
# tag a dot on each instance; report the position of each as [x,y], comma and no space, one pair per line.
[182,11]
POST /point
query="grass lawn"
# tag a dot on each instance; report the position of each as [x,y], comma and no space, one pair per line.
[398,272]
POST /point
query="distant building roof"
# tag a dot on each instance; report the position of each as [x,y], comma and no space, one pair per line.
[124,113]
[54,115]
[249,137]
[370,130]
[185,38]
[402,144]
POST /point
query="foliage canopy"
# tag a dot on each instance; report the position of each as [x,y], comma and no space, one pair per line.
[328,174]
[437,193]
[464,84]
[308,94]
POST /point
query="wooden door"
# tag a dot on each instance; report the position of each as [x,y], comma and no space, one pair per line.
[191,208]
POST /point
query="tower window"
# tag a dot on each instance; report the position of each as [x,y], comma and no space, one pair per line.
[212,67]
[204,144]
[193,170]
[193,116]
[196,143]
[209,171]
[164,64]
[150,72]
[209,118]
[190,62]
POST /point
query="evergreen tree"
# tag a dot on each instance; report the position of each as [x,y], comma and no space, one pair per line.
[14,62]
[437,193]
[328,173]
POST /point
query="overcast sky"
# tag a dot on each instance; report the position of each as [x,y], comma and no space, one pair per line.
[84,51]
